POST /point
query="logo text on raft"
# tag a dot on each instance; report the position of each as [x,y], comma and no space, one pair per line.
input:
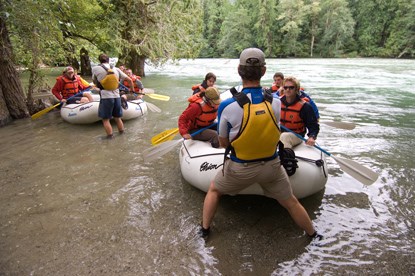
[208,166]
[85,107]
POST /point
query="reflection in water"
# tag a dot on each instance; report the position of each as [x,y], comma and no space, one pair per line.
[75,204]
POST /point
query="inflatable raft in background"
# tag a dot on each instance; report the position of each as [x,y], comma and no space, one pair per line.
[199,163]
[87,113]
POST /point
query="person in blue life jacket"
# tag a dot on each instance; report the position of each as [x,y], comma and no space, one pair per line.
[297,115]
[248,127]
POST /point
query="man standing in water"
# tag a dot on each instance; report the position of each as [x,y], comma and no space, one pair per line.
[253,156]
[107,79]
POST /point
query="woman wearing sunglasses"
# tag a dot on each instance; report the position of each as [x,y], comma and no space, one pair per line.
[296,115]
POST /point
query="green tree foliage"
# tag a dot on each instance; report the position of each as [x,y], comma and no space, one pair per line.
[155,31]
[264,27]
[214,13]
[29,26]
[337,27]
[236,33]
[292,16]
[82,24]
[401,41]
[312,11]
[374,20]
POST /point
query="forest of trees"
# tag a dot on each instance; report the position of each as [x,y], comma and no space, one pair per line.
[310,28]
[71,32]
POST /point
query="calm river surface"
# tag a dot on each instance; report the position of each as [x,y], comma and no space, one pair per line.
[74,204]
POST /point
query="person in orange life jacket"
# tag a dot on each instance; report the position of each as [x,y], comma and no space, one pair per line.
[278,80]
[209,81]
[297,115]
[253,139]
[278,91]
[67,85]
[201,113]
[138,87]
[122,68]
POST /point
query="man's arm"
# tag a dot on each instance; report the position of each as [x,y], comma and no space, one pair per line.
[308,116]
[123,76]
[187,119]
[57,88]
[224,142]
[130,81]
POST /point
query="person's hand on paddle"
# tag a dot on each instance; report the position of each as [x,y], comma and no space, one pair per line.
[140,94]
[311,141]
[187,136]
[63,101]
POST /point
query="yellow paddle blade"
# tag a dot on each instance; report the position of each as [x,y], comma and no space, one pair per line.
[158,97]
[164,136]
[44,111]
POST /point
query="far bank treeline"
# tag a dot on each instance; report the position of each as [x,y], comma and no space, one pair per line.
[63,32]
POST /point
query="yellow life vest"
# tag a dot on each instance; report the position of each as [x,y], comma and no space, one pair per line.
[110,81]
[259,134]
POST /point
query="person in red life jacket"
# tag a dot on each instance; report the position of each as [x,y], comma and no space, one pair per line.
[69,84]
[297,115]
[209,81]
[278,80]
[138,87]
[200,113]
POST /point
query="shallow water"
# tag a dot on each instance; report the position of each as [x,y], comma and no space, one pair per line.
[75,204]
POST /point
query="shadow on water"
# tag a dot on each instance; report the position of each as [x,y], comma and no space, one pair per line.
[245,225]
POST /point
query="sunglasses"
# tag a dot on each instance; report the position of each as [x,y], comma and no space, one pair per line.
[289,87]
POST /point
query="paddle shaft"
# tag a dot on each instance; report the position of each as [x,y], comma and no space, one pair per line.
[46,110]
[161,149]
[359,172]
[152,95]
[203,129]
[302,138]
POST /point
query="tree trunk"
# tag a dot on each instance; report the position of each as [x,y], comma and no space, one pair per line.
[5,116]
[137,63]
[311,45]
[141,64]
[86,69]
[12,100]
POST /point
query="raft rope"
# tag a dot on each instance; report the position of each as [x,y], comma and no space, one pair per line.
[319,162]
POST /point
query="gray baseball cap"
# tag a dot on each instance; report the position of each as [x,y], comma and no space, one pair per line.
[252,57]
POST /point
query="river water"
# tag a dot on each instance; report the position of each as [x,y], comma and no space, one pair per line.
[74,204]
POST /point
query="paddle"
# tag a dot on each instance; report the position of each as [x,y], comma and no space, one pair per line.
[354,169]
[164,136]
[157,97]
[155,152]
[148,90]
[153,107]
[341,125]
[46,110]
[152,95]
